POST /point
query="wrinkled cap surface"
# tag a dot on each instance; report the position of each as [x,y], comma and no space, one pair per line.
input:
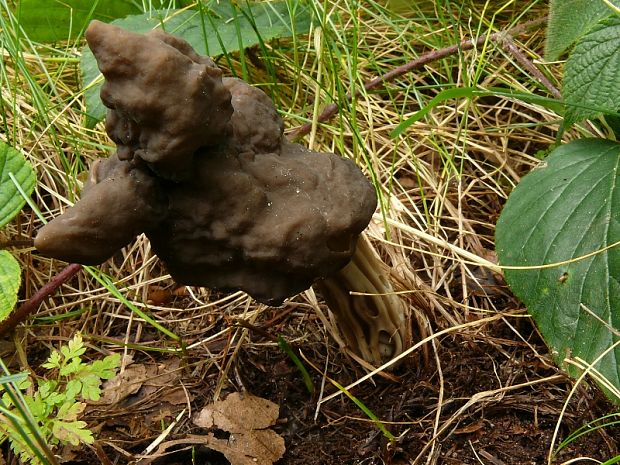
[203,169]
[256,125]
[269,224]
[118,202]
[164,100]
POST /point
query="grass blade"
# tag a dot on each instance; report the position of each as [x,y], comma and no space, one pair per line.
[286,348]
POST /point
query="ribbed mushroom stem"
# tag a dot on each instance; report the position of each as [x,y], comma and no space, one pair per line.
[372,318]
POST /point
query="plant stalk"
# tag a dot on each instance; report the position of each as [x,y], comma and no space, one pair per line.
[33,303]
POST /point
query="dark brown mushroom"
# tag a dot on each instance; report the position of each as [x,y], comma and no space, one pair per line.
[119,201]
[164,100]
[203,169]
[269,224]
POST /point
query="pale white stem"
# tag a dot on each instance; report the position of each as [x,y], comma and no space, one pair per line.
[370,315]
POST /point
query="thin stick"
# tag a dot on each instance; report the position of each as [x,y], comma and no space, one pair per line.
[16,243]
[511,48]
[434,55]
[33,303]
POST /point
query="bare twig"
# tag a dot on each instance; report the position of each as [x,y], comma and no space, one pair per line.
[511,48]
[33,303]
[16,243]
[434,55]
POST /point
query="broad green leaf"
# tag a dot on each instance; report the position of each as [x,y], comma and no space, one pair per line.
[54,20]
[10,279]
[569,20]
[13,163]
[592,74]
[92,81]
[223,28]
[568,208]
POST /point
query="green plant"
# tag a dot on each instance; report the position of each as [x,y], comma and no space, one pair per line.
[558,233]
[288,350]
[50,408]
[16,183]
[209,31]
[591,427]
[51,22]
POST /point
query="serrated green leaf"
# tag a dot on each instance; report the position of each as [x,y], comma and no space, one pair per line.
[90,387]
[54,399]
[568,208]
[50,396]
[74,348]
[569,20]
[106,367]
[592,73]
[70,411]
[72,432]
[37,406]
[21,448]
[70,368]
[223,28]
[51,21]
[53,361]
[6,400]
[10,280]
[11,201]
[45,387]
[73,389]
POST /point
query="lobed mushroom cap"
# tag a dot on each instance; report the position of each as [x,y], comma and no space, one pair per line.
[119,202]
[256,125]
[203,169]
[164,100]
[269,224]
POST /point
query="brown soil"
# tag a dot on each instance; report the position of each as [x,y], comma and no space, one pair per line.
[515,428]
[503,424]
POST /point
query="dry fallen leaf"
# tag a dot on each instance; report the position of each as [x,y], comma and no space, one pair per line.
[123,385]
[247,418]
